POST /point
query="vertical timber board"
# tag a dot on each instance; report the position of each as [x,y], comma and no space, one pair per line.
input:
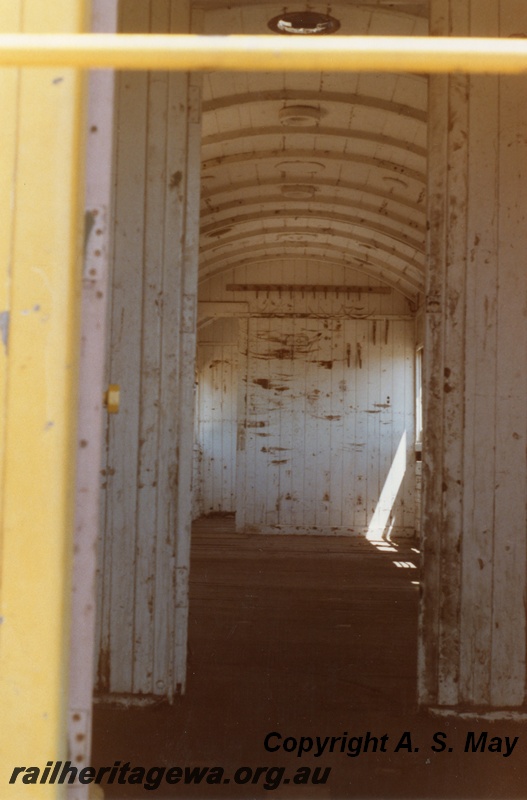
[152,348]
[509,575]
[192,113]
[299,455]
[285,395]
[307,441]
[480,378]
[322,376]
[216,412]
[433,367]
[291,498]
[337,413]
[314,440]
[350,496]
[361,485]
[268,473]
[40,329]
[392,477]
[242,432]
[116,664]
[141,584]
[453,374]
[172,234]
[149,436]
[248,497]
[205,423]
[472,642]
[228,434]
[202,427]
[90,418]
[409,417]
[210,448]
[341,410]
[101,661]
[369,366]
[246,486]
[267,440]
[404,417]
[197,459]
[385,354]
[358,475]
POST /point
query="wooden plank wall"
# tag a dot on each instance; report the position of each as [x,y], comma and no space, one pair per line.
[473,622]
[325,406]
[144,546]
[328,403]
[216,418]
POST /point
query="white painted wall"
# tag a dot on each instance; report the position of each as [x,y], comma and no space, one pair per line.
[473,622]
[328,427]
[144,547]
[216,418]
[325,405]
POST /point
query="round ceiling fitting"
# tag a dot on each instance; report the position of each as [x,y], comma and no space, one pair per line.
[299,115]
[304,23]
[300,167]
[298,191]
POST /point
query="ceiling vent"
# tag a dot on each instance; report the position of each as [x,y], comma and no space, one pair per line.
[304,23]
[305,116]
[298,191]
[300,167]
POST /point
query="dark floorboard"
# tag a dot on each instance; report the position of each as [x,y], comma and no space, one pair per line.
[306,637]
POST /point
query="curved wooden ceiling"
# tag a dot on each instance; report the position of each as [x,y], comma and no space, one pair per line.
[316,166]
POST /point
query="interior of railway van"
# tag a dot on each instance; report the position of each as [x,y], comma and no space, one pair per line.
[298,497]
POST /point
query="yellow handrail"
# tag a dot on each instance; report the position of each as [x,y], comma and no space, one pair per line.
[266,53]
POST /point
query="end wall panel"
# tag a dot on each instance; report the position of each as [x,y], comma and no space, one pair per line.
[321,395]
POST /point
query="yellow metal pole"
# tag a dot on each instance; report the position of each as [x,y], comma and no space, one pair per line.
[266,53]
[8,131]
[40,245]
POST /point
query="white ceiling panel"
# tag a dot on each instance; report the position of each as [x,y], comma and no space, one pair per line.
[315,166]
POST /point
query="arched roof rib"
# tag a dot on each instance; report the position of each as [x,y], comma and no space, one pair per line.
[371,137]
[300,96]
[345,186]
[326,216]
[304,232]
[313,156]
[407,209]
[360,214]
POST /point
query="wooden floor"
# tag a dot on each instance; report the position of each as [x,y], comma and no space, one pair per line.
[304,636]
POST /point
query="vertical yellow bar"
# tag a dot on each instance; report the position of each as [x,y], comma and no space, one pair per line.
[41,158]
[10,19]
